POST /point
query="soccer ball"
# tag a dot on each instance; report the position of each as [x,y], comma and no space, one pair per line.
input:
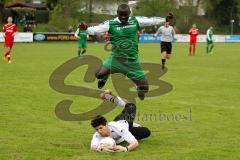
[109,141]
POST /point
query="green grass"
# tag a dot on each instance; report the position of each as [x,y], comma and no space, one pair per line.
[206,84]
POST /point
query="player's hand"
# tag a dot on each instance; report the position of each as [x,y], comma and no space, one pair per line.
[119,148]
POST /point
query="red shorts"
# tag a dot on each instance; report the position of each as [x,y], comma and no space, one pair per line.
[9,42]
[193,42]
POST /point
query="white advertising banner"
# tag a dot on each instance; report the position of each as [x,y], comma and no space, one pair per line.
[20,37]
[200,38]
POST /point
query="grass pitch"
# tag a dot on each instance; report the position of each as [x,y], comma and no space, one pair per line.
[206,92]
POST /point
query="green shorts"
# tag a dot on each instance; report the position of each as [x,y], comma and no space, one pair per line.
[209,42]
[82,44]
[127,66]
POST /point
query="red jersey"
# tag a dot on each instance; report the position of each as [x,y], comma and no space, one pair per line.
[9,29]
[193,32]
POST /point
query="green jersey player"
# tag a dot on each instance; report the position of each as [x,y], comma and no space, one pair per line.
[210,40]
[81,36]
[123,32]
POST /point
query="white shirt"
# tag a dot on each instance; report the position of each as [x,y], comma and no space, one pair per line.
[119,131]
[168,33]
[142,21]
[76,33]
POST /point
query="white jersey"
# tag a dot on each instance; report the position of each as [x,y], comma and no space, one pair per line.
[142,21]
[168,33]
[119,131]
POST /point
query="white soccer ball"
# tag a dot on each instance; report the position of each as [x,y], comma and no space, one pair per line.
[108,141]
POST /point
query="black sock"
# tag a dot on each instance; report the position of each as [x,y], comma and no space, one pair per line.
[163,61]
[79,52]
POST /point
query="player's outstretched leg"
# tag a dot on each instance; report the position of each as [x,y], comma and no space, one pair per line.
[128,114]
[102,74]
[142,87]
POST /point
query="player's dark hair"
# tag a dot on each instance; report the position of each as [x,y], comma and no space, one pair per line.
[82,26]
[169,17]
[170,14]
[123,9]
[98,120]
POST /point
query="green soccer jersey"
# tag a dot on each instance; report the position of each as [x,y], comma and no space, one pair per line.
[124,38]
[82,41]
[83,35]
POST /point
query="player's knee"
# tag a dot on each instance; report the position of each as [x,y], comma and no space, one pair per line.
[98,74]
[130,107]
[101,73]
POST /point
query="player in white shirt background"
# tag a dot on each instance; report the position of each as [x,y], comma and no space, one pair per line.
[167,36]
[122,129]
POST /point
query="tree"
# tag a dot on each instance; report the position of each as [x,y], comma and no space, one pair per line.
[223,10]
[51,4]
[64,14]
[154,7]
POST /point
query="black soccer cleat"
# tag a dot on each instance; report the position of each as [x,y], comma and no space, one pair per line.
[141,95]
[101,83]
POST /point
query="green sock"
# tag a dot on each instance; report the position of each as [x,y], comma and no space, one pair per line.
[84,51]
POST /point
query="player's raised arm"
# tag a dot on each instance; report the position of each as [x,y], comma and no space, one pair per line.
[101,28]
[76,33]
[150,21]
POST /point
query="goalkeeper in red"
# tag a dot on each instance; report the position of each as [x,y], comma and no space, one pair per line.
[123,32]
[193,32]
[9,31]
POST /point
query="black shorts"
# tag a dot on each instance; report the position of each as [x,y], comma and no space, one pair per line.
[166,47]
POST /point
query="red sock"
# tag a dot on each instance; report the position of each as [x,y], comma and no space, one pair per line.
[7,55]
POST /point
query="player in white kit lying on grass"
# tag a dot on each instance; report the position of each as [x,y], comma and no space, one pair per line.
[122,129]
